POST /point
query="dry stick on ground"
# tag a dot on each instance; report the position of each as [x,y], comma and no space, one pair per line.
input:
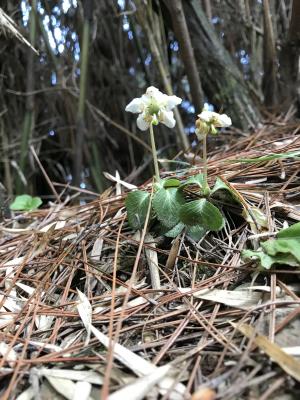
[45,174]
[66,251]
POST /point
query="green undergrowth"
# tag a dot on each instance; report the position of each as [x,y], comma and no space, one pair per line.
[180,205]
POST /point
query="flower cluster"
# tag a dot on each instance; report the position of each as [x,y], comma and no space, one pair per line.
[154,107]
[208,121]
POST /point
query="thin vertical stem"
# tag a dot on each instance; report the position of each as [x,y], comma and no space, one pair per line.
[204,159]
[156,169]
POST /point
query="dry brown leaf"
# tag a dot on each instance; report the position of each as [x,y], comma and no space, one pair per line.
[173,254]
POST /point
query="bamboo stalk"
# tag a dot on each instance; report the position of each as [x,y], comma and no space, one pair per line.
[166,80]
[186,49]
[7,172]
[29,118]
[81,124]
[270,59]
[46,40]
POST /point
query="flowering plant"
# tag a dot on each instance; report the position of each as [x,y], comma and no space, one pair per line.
[207,123]
[172,208]
[154,107]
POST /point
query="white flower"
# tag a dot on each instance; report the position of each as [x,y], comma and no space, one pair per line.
[215,119]
[154,107]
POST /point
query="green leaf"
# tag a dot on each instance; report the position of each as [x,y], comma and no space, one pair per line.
[292,232]
[172,182]
[273,247]
[166,204]
[137,204]
[174,232]
[25,202]
[196,232]
[283,250]
[220,185]
[220,188]
[266,261]
[197,180]
[201,212]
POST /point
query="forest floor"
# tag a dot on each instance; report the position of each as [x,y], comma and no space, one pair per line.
[79,316]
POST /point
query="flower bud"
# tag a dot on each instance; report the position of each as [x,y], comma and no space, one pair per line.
[202,128]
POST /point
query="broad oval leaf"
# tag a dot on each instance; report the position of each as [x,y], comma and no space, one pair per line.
[166,204]
[137,204]
[201,212]
[25,202]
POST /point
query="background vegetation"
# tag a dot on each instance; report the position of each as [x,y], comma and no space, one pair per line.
[65,105]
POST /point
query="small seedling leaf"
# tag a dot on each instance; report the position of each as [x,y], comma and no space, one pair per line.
[25,202]
[275,247]
[266,262]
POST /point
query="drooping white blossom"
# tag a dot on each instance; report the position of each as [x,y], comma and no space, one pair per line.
[215,119]
[209,121]
[154,107]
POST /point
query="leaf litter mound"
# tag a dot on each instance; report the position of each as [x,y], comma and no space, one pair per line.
[91,309]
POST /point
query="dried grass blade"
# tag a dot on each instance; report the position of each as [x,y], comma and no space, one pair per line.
[152,260]
[85,311]
[232,298]
[65,387]
[6,23]
[288,363]
[132,361]
[71,374]
[142,386]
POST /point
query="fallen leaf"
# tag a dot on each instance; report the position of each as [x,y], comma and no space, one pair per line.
[288,363]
